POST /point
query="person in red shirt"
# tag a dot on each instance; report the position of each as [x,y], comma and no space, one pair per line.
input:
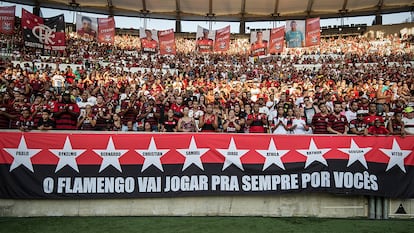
[320,120]
[148,44]
[209,121]
[337,123]
[66,113]
[372,115]
[257,121]
[378,129]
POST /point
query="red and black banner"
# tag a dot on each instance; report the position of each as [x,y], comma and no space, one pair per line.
[81,165]
[167,42]
[43,33]
[7,14]
[222,40]
[277,40]
[313,32]
[106,30]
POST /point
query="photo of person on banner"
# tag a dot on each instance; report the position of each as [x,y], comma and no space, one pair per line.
[204,43]
[86,28]
[149,44]
[295,34]
[259,45]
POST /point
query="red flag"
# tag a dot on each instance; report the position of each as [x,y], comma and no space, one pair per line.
[313,33]
[7,20]
[106,30]
[277,36]
[43,33]
[222,41]
[167,42]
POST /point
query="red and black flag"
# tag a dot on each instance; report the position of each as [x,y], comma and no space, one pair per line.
[43,33]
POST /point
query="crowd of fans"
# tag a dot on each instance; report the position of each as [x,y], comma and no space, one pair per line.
[352,85]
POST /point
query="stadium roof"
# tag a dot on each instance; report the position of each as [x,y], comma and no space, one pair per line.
[229,10]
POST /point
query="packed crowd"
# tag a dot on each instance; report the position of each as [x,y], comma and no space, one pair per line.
[356,86]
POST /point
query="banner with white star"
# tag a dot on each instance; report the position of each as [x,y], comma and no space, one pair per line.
[84,165]
[43,33]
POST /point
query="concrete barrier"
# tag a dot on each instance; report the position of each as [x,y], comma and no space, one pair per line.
[286,205]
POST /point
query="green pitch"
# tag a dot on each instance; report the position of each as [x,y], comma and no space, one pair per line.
[200,225]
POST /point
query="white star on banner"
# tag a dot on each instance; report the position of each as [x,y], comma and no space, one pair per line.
[396,155]
[273,155]
[314,154]
[193,155]
[110,156]
[152,156]
[232,155]
[67,156]
[22,155]
[356,154]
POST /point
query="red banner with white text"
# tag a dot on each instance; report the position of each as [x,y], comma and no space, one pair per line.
[222,41]
[106,30]
[7,14]
[313,32]
[83,165]
[167,42]
[277,40]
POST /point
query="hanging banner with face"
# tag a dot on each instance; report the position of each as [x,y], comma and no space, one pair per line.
[205,40]
[106,30]
[277,36]
[149,40]
[7,19]
[167,42]
[259,43]
[295,31]
[222,41]
[86,27]
[313,32]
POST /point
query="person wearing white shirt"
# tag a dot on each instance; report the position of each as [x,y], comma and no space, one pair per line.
[299,123]
[408,120]
[58,82]
[279,122]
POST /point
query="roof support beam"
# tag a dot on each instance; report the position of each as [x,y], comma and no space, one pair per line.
[380,5]
[242,27]
[276,9]
[344,5]
[309,8]
[210,7]
[177,16]
[110,8]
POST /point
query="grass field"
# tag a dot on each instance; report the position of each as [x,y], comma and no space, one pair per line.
[200,224]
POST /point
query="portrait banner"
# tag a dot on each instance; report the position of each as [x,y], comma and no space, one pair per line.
[86,27]
[149,40]
[295,33]
[205,40]
[259,43]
